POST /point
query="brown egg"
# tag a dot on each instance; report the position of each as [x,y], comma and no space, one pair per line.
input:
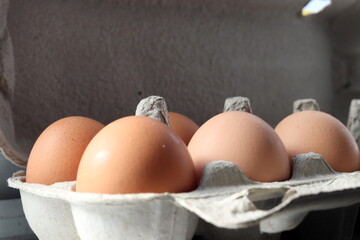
[183,126]
[136,154]
[319,132]
[56,154]
[244,139]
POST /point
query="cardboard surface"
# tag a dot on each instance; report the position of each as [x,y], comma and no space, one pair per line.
[226,198]
[98,59]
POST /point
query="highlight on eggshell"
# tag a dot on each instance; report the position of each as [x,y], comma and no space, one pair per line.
[183,126]
[57,152]
[319,132]
[244,139]
[136,154]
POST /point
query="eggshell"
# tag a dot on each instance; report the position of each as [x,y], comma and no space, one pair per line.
[56,154]
[319,132]
[244,139]
[183,126]
[136,154]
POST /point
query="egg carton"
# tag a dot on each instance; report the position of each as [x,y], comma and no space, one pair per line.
[226,199]
[227,203]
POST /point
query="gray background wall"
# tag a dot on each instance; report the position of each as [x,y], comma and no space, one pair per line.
[99,58]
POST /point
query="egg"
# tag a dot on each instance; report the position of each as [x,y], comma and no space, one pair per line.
[136,154]
[56,154]
[319,132]
[183,126]
[244,139]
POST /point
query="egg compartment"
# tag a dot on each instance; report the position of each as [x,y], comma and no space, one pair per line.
[105,216]
[47,213]
[131,216]
[57,212]
[339,223]
[341,219]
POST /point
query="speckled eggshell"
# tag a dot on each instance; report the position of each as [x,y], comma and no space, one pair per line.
[244,139]
[57,152]
[183,126]
[319,132]
[136,154]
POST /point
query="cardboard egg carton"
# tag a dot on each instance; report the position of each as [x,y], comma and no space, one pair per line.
[227,203]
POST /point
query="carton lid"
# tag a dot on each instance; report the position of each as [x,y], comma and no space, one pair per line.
[11,147]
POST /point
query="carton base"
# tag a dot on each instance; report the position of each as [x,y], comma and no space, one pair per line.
[49,218]
[156,219]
